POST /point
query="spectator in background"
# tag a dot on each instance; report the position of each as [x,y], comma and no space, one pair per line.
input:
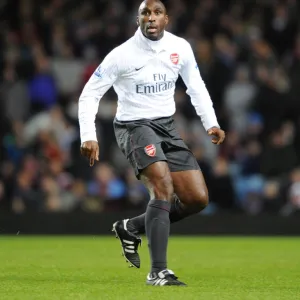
[2,194]
[280,28]
[15,96]
[294,67]
[222,191]
[56,197]
[279,157]
[42,88]
[272,97]
[293,202]
[272,195]
[26,195]
[13,143]
[136,192]
[294,191]
[251,158]
[107,186]
[249,183]
[7,173]
[238,99]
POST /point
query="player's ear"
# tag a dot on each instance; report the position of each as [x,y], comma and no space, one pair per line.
[166,20]
[137,21]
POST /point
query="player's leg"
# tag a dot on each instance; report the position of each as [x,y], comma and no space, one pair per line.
[142,147]
[142,160]
[154,172]
[158,181]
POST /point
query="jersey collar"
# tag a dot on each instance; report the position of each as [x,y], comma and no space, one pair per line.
[156,46]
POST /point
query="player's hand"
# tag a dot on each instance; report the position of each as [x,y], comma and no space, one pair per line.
[90,149]
[218,135]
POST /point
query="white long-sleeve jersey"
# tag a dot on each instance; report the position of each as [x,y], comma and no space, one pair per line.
[143,74]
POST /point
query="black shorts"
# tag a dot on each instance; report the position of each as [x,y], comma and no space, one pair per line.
[145,142]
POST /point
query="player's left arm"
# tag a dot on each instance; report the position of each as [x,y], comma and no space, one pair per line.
[200,97]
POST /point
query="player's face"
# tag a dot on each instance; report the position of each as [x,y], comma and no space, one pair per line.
[152,19]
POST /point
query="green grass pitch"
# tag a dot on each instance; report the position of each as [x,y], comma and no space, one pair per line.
[93,268]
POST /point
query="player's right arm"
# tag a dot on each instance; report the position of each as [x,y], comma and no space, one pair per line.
[99,83]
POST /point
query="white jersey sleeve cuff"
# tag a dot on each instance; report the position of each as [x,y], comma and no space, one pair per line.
[89,136]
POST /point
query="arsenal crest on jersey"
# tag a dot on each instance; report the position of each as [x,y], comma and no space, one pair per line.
[174,58]
[150,150]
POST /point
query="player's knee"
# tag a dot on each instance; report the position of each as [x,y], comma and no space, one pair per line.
[201,199]
[196,202]
[163,188]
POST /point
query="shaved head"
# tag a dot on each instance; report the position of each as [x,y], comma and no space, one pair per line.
[144,3]
[152,19]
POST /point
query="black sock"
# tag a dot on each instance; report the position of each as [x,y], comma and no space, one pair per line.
[178,212]
[157,223]
[136,225]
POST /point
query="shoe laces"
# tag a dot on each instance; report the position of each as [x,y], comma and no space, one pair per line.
[136,239]
[172,276]
[168,274]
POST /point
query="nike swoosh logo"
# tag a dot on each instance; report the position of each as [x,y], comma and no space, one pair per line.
[137,69]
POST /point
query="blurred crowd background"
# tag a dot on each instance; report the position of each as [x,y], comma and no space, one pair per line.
[249,57]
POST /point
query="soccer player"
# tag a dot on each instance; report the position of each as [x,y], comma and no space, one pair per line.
[143,72]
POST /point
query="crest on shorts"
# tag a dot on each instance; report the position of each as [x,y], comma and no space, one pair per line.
[174,58]
[150,150]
